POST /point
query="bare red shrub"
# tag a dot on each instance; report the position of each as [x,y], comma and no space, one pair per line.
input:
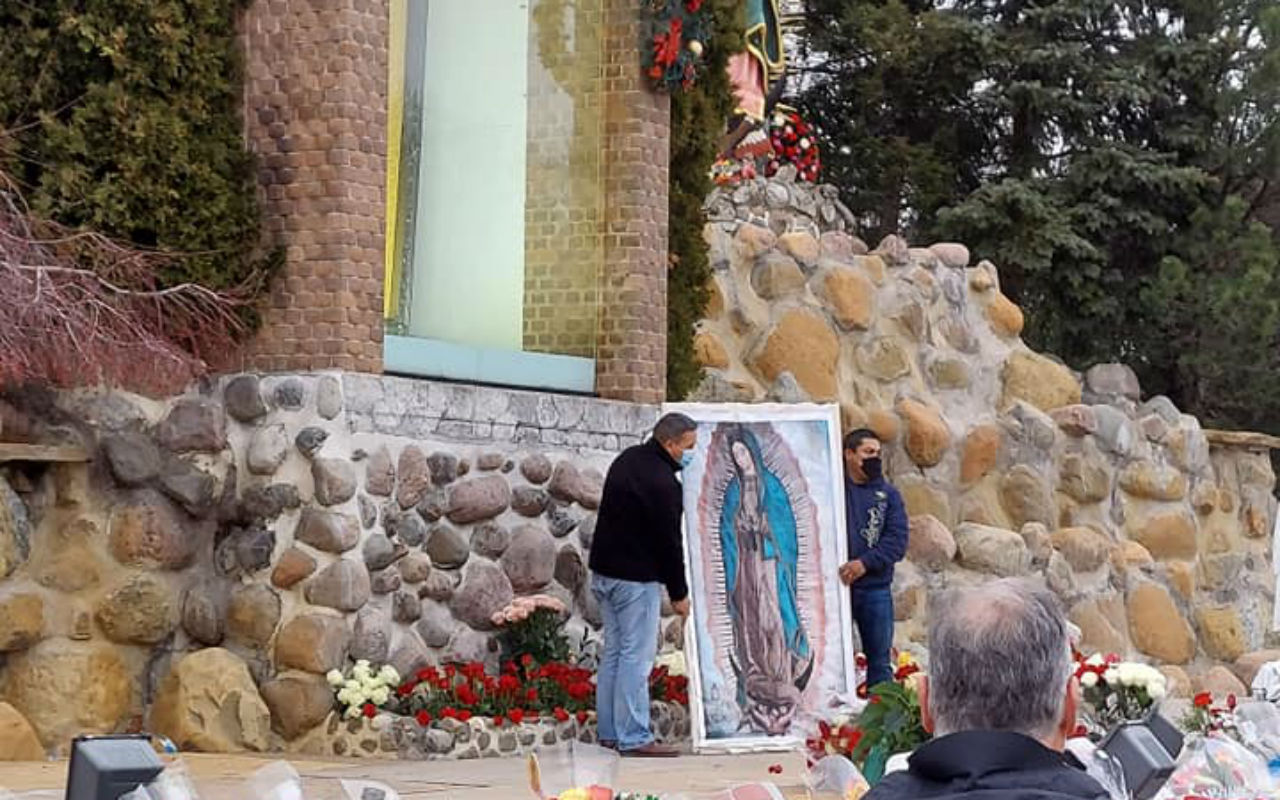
[81,309]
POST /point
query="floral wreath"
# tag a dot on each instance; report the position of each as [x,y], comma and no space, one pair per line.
[794,142]
[675,31]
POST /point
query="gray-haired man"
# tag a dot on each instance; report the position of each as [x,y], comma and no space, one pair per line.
[1000,699]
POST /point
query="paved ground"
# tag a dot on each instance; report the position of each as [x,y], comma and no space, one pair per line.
[223,777]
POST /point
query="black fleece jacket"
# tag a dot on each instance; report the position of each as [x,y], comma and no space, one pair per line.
[638,536]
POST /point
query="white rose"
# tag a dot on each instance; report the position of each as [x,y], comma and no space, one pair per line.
[1089,680]
[1111,677]
[361,672]
[353,712]
[380,695]
[1155,691]
[352,685]
[345,697]
[335,678]
[389,675]
[1095,660]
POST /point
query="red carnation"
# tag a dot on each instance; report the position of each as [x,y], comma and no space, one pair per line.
[582,718]
[1203,700]
[526,660]
[499,721]
[692,6]
[464,715]
[369,710]
[424,718]
[517,716]
[561,715]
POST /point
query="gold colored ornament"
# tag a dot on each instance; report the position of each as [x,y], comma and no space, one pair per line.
[695,47]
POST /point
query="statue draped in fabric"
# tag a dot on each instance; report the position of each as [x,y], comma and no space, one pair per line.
[771,656]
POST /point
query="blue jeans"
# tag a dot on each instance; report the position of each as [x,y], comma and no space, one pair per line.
[631,613]
[873,613]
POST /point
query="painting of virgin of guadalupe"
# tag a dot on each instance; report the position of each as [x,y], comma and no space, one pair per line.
[770,646]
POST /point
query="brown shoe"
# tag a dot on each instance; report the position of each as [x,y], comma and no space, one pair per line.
[652,750]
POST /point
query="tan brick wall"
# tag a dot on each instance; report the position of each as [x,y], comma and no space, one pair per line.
[315,109]
[564,199]
[315,112]
[632,352]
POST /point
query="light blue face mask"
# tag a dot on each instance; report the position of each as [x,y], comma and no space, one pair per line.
[686,458]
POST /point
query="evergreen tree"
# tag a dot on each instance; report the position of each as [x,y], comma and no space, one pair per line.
[1129,150]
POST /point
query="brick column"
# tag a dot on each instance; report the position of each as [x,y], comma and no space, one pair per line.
[631,357]
[316,116]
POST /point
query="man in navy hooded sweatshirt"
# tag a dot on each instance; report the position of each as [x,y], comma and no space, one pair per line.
[876,524]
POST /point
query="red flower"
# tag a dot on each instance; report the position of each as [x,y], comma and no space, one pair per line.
[1203,700]
[1080,731]
[509,683]
[692,6]
[448,712]
[582,718]
[517,716]
[369,710]
[531,697]
[498,721]
[424,718]
[1231,702]
[666,46]
[561,715]
[775,769]
[526,660]
[510,666]
[404,689]
[464,715]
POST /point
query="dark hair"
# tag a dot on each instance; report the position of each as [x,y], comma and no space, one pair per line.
[672,427]
[857,437]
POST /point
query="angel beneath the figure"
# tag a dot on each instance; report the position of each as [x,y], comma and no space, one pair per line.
[771,657]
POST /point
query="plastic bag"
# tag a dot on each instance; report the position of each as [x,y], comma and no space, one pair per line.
[835,777]
[1258,726]
[276,781]
[557,771]
[1266,684]
[1220,768]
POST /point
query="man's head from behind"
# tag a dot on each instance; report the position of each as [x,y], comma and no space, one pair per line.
[677,434]
[1000,660]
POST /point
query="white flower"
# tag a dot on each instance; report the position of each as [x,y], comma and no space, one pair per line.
[352,712]
[1111,677]
[1095,660]
[335,678]
[352,685]
[361,671]
[389,675]
[695,47]
[380,695]
[1089,680]
[1155,691]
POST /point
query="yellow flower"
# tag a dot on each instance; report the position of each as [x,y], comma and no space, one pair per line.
[905,659]
[574,794]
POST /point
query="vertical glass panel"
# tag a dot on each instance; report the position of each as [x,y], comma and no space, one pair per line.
[495,208]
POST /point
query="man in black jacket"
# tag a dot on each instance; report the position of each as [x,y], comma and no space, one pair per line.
[1000,699]
[638,549]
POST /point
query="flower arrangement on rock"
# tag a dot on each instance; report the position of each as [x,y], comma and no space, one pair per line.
[1116,691]
[891,723]
[363,691]
[1206,717]
[676,31]
[533,626]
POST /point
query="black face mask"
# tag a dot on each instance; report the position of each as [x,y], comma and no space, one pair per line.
[872,468]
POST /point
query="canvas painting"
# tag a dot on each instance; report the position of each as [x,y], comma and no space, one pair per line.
[770,641]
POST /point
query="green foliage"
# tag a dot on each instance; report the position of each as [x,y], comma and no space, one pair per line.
[540,636]
[891,723]
[698,118]
[122,116]
[1115,160]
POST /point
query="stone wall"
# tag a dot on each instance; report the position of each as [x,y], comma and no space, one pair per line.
[219,552]
[1158,540]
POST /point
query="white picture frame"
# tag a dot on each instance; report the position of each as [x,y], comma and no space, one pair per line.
[800,446]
